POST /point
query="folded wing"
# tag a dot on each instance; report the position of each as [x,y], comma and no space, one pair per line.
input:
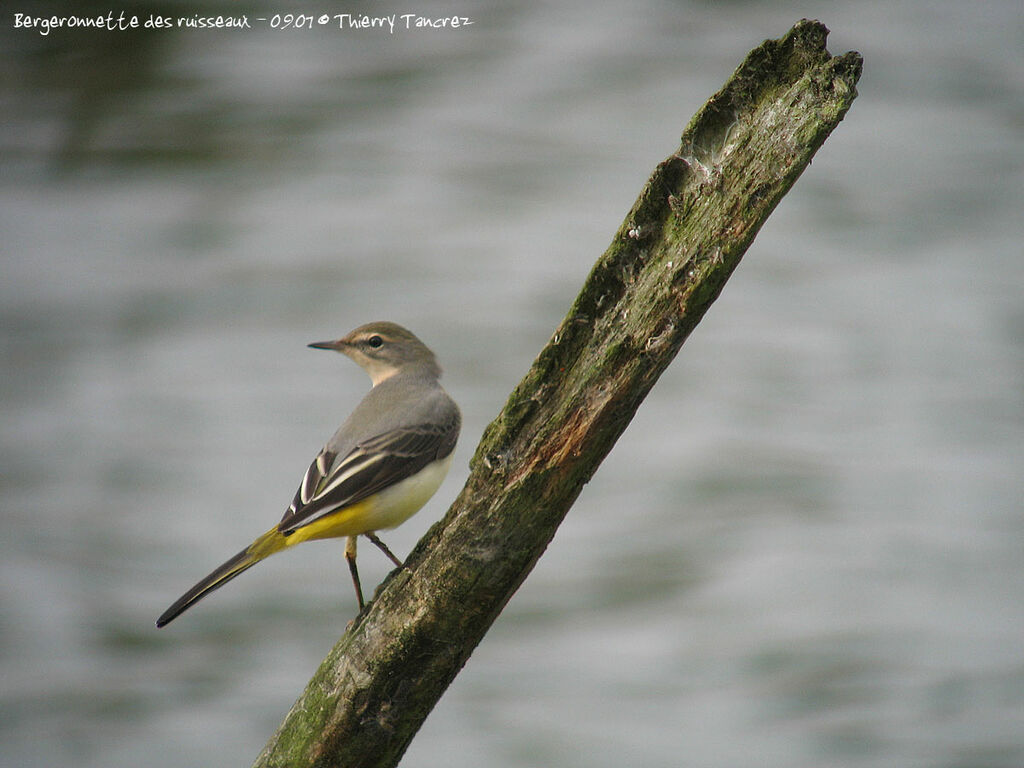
[331,484]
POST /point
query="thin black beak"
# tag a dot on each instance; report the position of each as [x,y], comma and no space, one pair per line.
[336,346]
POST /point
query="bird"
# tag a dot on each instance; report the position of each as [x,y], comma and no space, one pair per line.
[378,469]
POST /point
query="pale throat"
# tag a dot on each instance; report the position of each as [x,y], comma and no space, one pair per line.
[379,371]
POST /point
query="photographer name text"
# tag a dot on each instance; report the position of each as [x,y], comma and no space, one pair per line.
[115,21]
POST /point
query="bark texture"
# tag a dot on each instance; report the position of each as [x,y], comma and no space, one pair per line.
[687,231]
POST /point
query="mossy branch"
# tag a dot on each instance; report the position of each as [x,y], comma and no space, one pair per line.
[686,233]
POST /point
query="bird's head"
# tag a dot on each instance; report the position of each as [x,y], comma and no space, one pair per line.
[382,349]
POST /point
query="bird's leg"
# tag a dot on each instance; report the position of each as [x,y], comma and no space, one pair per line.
[350,555]
[383,548]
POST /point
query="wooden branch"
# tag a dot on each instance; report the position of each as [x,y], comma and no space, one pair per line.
[693,221]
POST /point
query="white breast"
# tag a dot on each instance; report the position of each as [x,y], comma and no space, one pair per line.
[394,505]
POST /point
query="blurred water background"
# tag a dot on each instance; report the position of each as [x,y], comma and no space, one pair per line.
[807,549]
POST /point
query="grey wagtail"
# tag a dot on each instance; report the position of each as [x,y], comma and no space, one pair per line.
[379,468]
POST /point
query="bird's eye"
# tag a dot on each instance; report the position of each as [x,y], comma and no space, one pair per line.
[375,341]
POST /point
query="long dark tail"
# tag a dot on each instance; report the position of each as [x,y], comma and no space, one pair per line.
[267,544]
